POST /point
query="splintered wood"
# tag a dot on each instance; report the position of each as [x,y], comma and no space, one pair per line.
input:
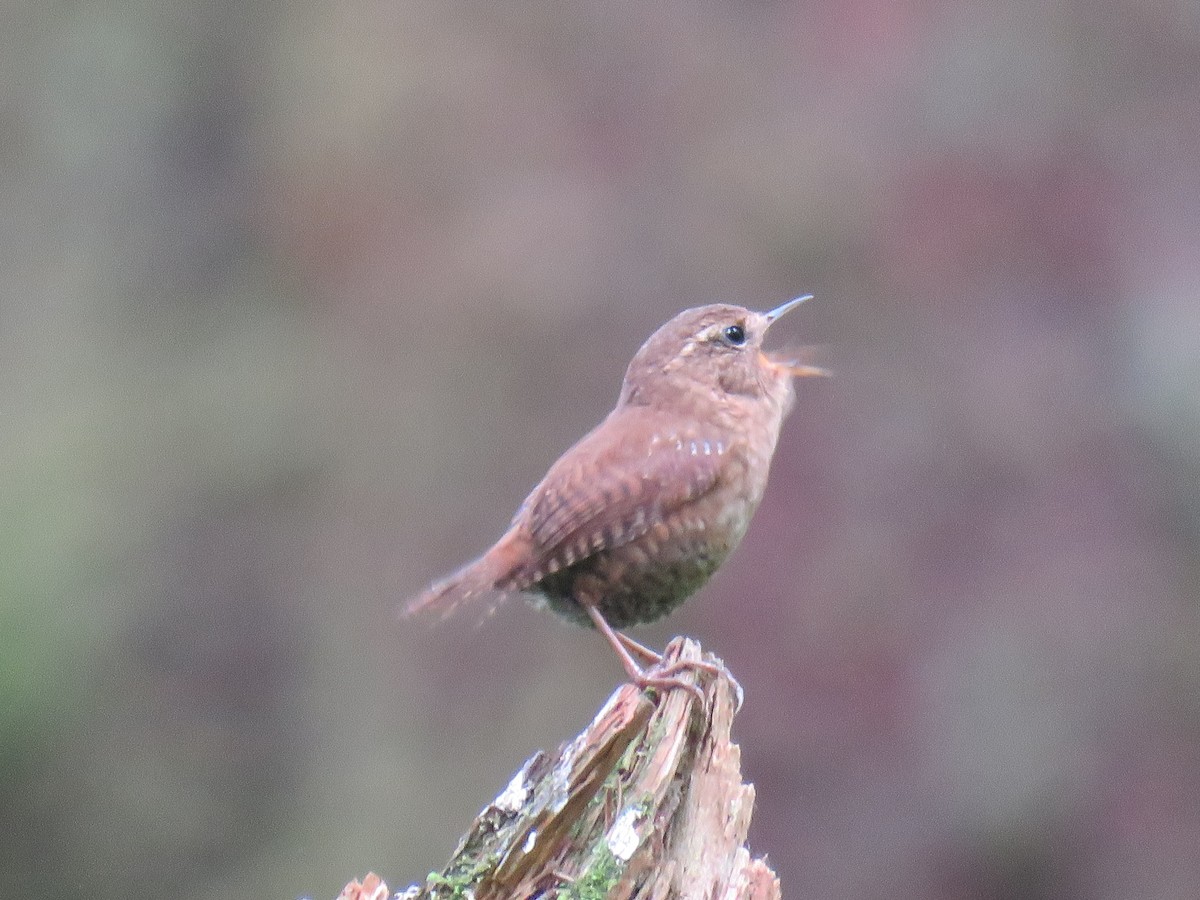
[647,802]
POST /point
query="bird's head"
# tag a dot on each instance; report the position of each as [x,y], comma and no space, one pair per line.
[714,349]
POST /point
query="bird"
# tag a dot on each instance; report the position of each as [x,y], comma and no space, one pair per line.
[638,514]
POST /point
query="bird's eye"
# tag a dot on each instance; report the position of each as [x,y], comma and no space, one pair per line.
[735,335]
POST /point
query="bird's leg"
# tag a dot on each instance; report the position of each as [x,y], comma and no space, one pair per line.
[652,657]
[655,659]
[662,681]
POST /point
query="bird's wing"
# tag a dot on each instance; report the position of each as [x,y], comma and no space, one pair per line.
[615,485]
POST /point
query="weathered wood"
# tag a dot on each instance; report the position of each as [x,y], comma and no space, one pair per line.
[647,802]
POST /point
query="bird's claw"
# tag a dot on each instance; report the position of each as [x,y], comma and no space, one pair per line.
[665,676]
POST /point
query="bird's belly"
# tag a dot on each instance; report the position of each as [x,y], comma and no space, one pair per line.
[636,583]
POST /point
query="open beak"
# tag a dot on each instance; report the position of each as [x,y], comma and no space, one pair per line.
[793,367]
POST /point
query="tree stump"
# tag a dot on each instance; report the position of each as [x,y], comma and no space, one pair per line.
[647,802]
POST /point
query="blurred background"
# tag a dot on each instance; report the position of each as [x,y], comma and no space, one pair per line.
[300,299]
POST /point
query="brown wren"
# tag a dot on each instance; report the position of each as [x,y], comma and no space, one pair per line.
[637,516]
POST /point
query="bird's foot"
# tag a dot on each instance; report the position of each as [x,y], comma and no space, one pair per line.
[654,679]
[654,660]
[657,675]
[712,670]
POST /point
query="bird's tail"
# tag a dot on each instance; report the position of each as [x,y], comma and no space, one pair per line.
[480,579]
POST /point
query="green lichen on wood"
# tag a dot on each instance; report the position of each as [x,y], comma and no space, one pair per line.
[597,880]
[456,882]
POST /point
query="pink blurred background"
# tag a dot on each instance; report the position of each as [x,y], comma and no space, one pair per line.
[301,299]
